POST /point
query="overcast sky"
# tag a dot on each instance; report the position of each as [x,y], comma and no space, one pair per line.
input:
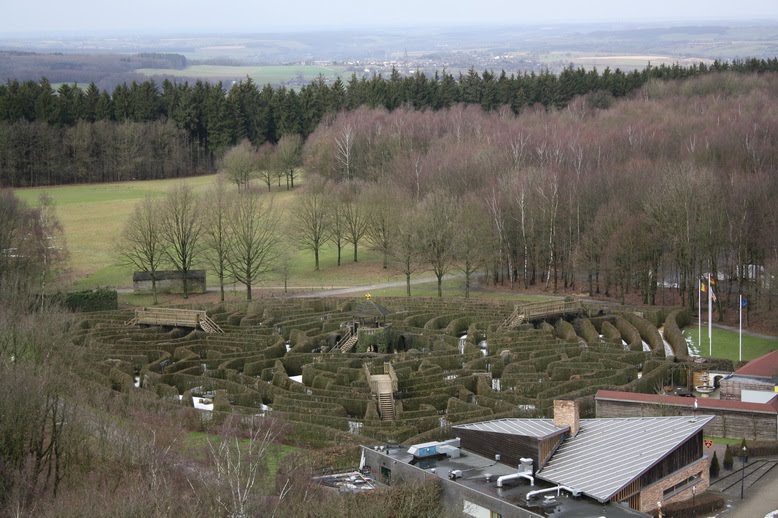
[169,16]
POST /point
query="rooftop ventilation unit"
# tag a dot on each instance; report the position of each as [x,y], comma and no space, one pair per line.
[432,449]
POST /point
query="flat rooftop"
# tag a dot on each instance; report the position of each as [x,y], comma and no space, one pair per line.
[474,469]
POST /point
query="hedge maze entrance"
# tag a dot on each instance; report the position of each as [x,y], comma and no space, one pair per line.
[462,362]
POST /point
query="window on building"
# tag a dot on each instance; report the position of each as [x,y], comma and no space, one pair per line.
[682,485]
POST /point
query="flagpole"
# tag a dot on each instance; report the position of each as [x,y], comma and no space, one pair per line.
[740,311]
[710,319]
[699,314]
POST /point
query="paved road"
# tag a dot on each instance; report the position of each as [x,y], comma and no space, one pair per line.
[761,497]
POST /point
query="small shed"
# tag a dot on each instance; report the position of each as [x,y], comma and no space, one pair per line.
[169,281]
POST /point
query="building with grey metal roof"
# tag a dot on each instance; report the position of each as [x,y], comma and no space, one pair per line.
[639,463]
[608,454]
[530,427]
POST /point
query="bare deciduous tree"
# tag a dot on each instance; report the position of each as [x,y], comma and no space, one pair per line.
[253,225]
[382,202]
[140,243]
[180,228]
[216,236]
[471,239]
[240,164]
[312,220]
[344,151]
[289,153]
[355,216]
[436,234]
[239,463]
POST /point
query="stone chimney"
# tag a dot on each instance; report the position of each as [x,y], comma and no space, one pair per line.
[566,414]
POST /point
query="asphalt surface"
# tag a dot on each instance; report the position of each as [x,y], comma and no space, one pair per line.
[760,489]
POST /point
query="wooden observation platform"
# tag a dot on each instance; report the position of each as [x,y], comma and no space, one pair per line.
[542,310]
[171,317]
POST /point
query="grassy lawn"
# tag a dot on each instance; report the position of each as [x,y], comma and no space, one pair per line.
[261,75]
[725,440]
[726,344]
[92,216]
[198,442]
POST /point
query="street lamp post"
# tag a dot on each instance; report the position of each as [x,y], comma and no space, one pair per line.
[744,452]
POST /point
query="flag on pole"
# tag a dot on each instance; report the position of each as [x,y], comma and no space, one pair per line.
[703,286]
[743,302]
[712,294]
[712,281]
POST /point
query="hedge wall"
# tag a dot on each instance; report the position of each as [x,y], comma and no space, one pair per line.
[673,323]
[101,299]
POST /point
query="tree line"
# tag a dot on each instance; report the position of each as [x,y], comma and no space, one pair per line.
[657,190]
[74,134]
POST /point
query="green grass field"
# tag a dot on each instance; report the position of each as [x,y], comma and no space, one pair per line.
[726,344]
[198,441]
[93,216]
[273,74]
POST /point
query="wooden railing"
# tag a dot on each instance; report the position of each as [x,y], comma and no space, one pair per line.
[173,317]
[528,312]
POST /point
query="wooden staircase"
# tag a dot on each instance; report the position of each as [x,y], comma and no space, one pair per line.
[386,406]
[515,320]
[348,342]
[383,387]
[209,326]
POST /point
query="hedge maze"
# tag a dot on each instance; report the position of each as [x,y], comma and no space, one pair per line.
[454,361]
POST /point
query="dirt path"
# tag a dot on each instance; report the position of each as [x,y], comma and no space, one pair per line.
[370,287]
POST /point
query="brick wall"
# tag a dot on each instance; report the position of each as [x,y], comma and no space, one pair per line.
[654,493]
[566,413]
[726,423]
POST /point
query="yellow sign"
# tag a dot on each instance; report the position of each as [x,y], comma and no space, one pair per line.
[369,296]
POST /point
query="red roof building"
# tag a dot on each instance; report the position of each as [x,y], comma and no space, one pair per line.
[763,367]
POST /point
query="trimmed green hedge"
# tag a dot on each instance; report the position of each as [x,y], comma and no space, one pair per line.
[101,299]
[674,322]
[565,330]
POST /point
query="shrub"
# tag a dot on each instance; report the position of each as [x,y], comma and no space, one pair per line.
[728,460]
[714,466]
[611,333]
[585,329]
[565,330]
[703,505]
[101,299]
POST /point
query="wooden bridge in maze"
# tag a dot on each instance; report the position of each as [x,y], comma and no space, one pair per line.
[171,317]
[383,386]
[543,310]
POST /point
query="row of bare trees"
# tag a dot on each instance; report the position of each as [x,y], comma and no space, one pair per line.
[653,191]
[269,162]
[436,234]
[234,233]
